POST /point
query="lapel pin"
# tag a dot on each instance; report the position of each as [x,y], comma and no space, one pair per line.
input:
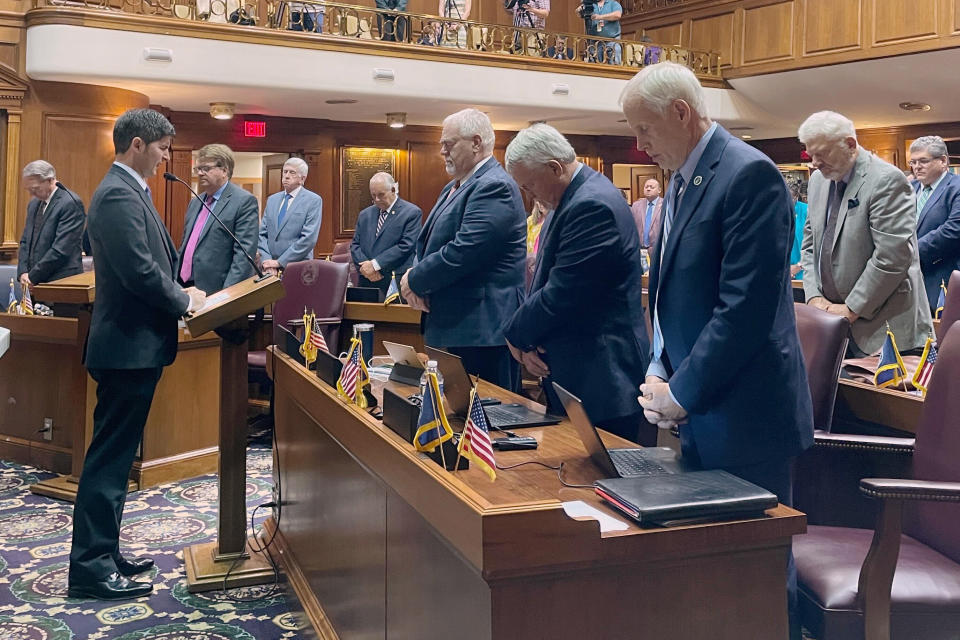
[697,180]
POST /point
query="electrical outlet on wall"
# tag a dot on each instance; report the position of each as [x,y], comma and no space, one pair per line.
[47,430]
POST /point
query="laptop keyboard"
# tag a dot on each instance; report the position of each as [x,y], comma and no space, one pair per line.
[501,416]
[632,462]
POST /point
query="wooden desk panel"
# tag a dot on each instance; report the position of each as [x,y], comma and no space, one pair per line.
[395,323]
[497,559]
[862,402]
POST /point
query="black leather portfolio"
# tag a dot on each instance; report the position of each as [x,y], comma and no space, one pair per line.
[691,496]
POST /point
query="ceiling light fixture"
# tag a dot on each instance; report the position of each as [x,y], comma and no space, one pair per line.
[222,110]
[341,101]
[397,120]
[915,106]
[746,136]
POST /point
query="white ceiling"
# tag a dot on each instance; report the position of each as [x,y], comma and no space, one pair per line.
[285,81]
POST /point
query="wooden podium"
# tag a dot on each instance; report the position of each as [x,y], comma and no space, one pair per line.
[208,564]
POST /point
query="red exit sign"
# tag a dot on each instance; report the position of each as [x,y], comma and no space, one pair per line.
[254,129]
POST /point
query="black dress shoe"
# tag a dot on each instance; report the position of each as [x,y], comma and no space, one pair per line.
[133,567]
[113,587]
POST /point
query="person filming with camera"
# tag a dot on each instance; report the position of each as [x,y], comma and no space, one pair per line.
[602,18]
[530,14]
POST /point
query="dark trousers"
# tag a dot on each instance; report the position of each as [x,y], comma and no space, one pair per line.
[392,28]
[123,403]
[634,428]
[776,476]
[493,364]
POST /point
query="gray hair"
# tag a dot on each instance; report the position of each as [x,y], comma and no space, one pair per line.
[299,164]
[384,177]
[40,169]
[795,185]
[826,125]
[658,85]
[538,144]
[472,122]
[934,145]
[146,124]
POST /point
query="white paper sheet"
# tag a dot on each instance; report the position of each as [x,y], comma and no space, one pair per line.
[580,509]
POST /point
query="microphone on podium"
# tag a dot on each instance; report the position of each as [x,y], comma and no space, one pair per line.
[253,263]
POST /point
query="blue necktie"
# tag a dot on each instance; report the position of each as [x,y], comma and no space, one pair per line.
[646,224]
[671,205]
[283,209]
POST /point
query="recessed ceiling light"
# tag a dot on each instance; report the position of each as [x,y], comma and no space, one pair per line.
[397,120]
[746,136]
[341,101]
[222,110]
[915,106]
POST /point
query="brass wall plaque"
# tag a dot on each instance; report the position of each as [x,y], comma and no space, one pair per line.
[357,166]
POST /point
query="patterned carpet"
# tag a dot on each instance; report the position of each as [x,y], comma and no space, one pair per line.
[35,546]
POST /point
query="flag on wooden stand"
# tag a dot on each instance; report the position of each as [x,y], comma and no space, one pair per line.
[921,377]
[475,442]
[354,377]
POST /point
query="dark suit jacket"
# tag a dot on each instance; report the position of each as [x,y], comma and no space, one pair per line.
[217,261]
[726,310]
[470,260]
[394,248]
[134,323]
[938,235]
[584,304]
[55,251]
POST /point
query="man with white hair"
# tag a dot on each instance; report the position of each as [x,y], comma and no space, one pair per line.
[385,238]
[291,220]
[727,366]
[938,213]
[860,257]
[50,243]
[581,324]
[471,254]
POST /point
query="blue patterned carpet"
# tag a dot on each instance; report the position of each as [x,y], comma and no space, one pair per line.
[35,546]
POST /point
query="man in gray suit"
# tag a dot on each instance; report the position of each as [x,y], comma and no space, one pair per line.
[50,244]
[859,253]
[133,336]
[209,258]
[291,220]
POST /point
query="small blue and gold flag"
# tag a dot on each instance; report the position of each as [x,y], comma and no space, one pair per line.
[393,291]
[890,370]
[12,305]
[432,427]
[941,301]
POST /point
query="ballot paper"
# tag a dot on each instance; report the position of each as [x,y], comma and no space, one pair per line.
[580,509]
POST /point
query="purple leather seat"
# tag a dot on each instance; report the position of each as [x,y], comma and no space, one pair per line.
[951,306]
[915,595]
[341,253]
[823,340]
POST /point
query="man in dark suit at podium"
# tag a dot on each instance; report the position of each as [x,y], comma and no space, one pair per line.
[471,254]
[582,324]
[209,258]
[50,244]
[133,335]
[385,239]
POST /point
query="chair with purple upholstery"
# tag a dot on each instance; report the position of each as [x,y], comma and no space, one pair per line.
[823,340]
[901,580]
[951,306]
[341,253]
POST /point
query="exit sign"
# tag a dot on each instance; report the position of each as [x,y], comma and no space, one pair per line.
[254,129]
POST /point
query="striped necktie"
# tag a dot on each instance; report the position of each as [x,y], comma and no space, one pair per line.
[381,220]
[922,198]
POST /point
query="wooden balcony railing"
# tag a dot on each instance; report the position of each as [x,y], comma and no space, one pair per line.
[410,30]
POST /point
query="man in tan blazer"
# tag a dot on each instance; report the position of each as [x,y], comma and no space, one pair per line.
[859,250]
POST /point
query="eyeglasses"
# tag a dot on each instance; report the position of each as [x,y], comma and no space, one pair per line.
[921,162]
[204,168]
[449,144]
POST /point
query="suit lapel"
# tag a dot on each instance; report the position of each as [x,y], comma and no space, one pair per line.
[547,230]
[152,213]
[291,208]
[692,194]
[850,194]
[218,207]
[932,200]
[445,202]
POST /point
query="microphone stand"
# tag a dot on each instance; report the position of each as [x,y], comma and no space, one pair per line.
[261,276]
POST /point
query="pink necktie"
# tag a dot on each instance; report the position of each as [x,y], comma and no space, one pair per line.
[186,271]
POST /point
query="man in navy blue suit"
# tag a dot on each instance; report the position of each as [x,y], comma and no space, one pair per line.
[471,254]
[385,239]
[726,363]
[581,324]
[938,213]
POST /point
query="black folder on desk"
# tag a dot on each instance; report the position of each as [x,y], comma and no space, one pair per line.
[692,496]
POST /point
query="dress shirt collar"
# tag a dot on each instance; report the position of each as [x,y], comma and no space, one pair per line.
[576,172]
[690,164]
[293,194]
[933,187]
[132,172]
[55,187]
[218,192]
[476,167]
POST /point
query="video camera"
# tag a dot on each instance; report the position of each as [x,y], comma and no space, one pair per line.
[510,4]
[586,9]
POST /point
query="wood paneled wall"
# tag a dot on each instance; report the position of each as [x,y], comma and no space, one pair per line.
[420,172]
[764,36]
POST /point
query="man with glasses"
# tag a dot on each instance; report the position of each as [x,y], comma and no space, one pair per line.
[859,250]
[291,220]
[471,254]
[209,258]
[938,213]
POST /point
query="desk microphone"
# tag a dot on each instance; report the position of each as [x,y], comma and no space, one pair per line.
[253,263]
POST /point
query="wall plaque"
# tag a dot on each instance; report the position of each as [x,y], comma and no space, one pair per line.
[357,166]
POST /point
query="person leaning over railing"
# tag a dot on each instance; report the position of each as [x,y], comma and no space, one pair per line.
[603,19]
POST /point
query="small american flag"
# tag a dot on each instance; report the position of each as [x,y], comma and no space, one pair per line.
[353,376]
[475,442]
[921,377]
[316,337]
[26,302]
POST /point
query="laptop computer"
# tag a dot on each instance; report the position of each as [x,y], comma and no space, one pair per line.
[456,388]
[618,463]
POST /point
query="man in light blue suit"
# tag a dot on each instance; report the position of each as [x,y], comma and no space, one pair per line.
[291,220]
[471,254]
[938,213]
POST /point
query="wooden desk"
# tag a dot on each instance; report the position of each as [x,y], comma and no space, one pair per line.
[869,405]
[395,322]
[378,541]
[43,377]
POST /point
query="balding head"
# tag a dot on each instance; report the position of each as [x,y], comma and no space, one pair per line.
[466,139]
[383,190]
[831,142]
